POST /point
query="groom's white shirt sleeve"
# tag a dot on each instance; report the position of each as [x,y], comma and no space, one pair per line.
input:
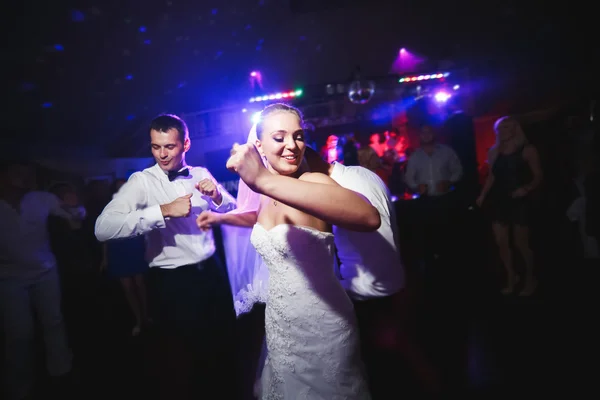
[128,214]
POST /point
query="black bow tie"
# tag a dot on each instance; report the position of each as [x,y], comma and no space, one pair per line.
[175,174]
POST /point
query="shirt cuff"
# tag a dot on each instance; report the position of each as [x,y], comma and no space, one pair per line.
[153,217]
[214,205]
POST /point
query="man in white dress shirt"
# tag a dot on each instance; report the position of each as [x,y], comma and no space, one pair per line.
[29,282]
[370,269]
[194,304]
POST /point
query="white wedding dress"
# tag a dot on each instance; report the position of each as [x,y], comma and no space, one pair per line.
[311,330]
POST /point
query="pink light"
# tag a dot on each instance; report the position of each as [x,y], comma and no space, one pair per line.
[405,62]
[253,73]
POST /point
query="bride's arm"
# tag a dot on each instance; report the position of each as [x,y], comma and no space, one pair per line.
[244,219]
[320,196]
[315,194]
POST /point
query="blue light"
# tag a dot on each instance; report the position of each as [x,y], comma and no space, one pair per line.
[77,16]
[214,11]
[59,47]
[142,29]
[255,117]
[147,41]
[47,105]
[130,117]
[129,77]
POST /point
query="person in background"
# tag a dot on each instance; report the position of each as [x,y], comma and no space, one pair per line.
[433,168]
[350,150]
[125,260]
[515,172]
[68,244]
[367,156]
[29,282]
[331,151]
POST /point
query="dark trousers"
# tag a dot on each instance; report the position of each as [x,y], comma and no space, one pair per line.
[196,324]
[392,358]
[382,343]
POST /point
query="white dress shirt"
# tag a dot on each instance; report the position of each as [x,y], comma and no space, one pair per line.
[170,242]
[24,240]
[424,169]
[370,261]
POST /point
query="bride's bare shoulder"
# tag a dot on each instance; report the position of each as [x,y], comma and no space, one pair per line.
[317,177]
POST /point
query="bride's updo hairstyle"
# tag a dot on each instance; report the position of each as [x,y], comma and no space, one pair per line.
[273,109]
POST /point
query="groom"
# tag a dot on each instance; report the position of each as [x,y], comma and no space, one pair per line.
[193,300]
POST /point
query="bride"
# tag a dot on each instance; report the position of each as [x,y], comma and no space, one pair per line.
[311,331]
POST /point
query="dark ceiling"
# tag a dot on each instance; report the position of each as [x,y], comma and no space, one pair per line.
[88,71]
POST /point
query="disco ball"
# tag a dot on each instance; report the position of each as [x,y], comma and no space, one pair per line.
[360,92]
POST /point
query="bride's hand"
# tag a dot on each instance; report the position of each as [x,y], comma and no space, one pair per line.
[246,162]
[207,219]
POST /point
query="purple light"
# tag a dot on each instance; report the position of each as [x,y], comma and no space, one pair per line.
[253,73]
[405,62]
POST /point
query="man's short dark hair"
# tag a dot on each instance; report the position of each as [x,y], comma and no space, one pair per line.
[164,122]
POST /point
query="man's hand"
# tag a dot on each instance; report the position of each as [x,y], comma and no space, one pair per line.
[207,219]
[246,162]
[208,188]
[180,207]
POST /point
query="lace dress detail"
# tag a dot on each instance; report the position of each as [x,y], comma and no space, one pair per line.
[246,298]
[311,331]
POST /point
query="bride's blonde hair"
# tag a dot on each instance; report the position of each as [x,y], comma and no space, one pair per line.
[519,138]
[276,108]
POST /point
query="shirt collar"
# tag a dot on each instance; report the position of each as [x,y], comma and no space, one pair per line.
[162,172]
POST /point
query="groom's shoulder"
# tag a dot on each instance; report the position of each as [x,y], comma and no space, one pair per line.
[363,180]
[362,173]
[315,177]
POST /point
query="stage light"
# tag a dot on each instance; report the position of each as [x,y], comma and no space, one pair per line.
[244,110]
[441,97]
[277,96]
[409,79]
[255,117]
[456,87]
[253,73]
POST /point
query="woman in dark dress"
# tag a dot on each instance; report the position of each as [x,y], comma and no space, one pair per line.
[515,172]
[125,260]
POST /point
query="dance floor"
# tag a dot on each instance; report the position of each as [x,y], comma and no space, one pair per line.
[498,350]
